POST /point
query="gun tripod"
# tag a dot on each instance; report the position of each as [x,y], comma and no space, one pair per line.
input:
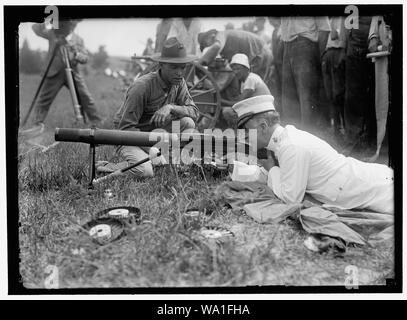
[71,85]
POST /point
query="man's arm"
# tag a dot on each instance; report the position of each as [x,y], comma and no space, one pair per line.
[248,89]
[80,53]
[41,31]
[210,54]
[247,93]
[185,106]
[324,30]
[289,181]
[322,41]
[374,34]
[133,106]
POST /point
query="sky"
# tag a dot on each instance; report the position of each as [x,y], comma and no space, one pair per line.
[122,37]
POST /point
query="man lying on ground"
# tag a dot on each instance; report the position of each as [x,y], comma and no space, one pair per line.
[155,99]
[307,164]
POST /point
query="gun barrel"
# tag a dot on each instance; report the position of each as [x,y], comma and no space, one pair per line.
[111,137]
[146,139]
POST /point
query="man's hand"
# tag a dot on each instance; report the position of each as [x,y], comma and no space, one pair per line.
[267,163]
[342,57]
[203,62]
[80,57]
[334,34]
[373,44]
[61,41]
[322,40]
[162,116]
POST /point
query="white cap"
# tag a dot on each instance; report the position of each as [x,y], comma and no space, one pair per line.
[247,108]
[240,58]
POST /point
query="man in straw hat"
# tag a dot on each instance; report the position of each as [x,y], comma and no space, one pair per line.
[307,164]
[154,101]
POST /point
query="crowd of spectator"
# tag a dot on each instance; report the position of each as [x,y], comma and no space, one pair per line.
[315,67]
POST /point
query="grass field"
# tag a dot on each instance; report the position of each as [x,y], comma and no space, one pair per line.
[161,251]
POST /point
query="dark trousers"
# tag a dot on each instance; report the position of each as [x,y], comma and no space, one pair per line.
[359,96]
[277,75]
[50,89]
[300,81]
[333,74]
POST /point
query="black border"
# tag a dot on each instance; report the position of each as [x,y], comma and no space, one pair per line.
[13,15]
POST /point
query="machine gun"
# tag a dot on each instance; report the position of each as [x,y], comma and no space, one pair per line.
[227,144]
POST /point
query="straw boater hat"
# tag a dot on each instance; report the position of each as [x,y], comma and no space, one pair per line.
[247,108]
[173,52]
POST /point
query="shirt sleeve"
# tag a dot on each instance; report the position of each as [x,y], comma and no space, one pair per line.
[221,39]
[79,47]
[174,29]
[289,181]
[133,106]
[322,23]
[210,54]
[185,105]
[374,27]
[250,83]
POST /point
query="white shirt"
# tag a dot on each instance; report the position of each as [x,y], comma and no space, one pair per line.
[338,24]
[255,82]
[309,164]
[187,36]
[292,27]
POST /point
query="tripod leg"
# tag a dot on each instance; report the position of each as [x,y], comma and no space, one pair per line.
[40,86]
[79,94]
[47,95]
[92,174]
[71,86]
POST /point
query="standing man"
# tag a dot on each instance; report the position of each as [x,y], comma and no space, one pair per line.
[161,33]
[55,79]
[304,41]
[154,101]
[333,73]
[307,164]
[186,30]
[277,49]
[359,107]
[148,51]
[229,42]
[260,30]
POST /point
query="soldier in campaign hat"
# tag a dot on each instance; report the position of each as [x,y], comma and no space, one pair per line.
[154,101]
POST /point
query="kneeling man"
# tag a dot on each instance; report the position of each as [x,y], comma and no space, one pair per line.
[307,164]
[154,101]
